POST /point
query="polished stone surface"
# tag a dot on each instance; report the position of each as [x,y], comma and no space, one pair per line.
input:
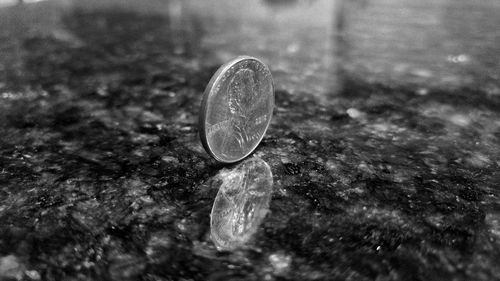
[384,145]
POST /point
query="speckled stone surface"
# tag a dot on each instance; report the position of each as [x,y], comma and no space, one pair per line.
[384,147]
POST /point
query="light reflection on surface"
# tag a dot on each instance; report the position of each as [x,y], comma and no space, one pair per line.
[241,203]
[312,47]
[6,3]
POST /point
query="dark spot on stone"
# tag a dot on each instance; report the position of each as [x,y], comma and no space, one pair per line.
[292,169]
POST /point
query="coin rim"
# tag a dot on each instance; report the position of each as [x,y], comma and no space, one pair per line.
[204,106]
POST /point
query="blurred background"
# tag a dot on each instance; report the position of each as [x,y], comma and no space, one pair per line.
[384,148]
[311,45]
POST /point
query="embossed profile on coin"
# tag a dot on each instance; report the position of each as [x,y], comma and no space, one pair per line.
[242,99]
[241,203]
[236,109]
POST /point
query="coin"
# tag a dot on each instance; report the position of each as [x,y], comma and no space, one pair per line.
[236,109]
[241,204]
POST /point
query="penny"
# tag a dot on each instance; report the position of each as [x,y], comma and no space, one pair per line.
[236,109]
[241,204]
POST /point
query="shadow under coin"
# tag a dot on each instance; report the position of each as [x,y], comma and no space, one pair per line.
[241,203]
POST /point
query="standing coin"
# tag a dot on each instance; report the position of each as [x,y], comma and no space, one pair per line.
[236,109]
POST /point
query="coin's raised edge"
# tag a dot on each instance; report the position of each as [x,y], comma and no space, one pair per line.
[204,104]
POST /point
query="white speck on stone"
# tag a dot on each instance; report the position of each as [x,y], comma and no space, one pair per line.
[366,168]
[181,225]
[126,267]
[492,90]
[462,58]
[314,174]
[422,92]
[354,113]
[436,220]
[138,153]
[425,73]
[157,242]
[149,116]
[145,138]
[382,127]
[460,120]
[280,262]
[170,159]
[10,268]
[32,274]
[332,165]
[312,142]
[493,221]
[136,188]
[292,48]
[478,160]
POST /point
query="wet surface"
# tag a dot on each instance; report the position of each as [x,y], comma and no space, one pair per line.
[384,146]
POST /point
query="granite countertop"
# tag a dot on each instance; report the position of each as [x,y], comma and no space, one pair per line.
[381,162]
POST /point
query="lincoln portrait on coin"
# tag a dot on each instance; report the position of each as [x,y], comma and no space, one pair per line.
[236,109]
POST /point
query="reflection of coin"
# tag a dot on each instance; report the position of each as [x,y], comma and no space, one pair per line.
[241,203]
[236,109]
